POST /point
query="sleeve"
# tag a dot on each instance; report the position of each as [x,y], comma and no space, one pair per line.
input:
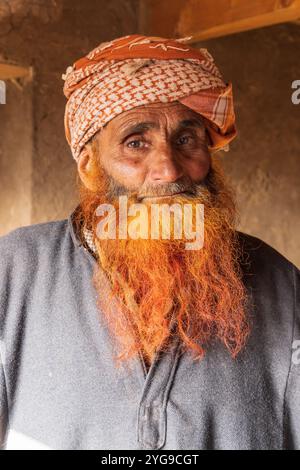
[292,397]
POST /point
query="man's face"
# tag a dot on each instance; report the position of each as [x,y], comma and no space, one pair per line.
[155,145]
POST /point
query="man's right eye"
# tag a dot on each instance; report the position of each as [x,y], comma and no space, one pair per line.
[135,144]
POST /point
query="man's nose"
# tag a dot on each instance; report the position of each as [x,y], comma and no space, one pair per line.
[164,166]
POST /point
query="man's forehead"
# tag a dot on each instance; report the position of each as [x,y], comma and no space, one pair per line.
[152,114]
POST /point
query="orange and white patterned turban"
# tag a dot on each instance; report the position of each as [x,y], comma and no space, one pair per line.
[138,70]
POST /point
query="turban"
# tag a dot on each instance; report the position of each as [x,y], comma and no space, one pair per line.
[138,70]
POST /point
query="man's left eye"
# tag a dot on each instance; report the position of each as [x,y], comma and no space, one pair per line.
[184,140]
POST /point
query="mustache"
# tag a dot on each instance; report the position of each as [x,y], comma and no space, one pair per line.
[167,189]
[183,185]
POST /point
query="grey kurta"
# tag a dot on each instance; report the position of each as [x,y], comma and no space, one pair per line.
[60,389]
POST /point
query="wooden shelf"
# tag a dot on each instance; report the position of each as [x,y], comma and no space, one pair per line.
[9,71]
[205,19]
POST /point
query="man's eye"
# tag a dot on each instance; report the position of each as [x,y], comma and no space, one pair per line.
[184,140]
[135,144]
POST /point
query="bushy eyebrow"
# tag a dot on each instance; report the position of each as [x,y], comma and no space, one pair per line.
[186,123]
[142,127]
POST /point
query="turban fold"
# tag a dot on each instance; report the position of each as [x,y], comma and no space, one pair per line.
[138,70]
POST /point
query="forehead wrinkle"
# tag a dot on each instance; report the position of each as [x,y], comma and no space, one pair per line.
[155,118]
[135,127]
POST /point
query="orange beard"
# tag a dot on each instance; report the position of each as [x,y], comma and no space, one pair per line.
[152,290]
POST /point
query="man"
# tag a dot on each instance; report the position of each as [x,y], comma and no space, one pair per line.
[115,339]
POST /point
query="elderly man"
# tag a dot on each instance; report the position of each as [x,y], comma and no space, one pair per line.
[115,339]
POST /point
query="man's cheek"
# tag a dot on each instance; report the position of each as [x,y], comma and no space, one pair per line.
[129,173]
[197,169]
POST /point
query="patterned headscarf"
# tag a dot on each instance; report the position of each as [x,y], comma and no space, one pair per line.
[138,70]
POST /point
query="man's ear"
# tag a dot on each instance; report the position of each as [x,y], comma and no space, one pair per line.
[87,167]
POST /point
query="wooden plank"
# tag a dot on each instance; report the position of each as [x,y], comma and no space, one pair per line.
[205,19]
[10,71]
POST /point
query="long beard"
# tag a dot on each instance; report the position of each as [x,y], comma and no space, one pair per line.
[152,290]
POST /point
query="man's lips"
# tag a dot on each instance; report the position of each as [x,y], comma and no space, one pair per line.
[187,193]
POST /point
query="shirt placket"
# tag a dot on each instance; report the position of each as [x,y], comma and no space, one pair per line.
[152,413]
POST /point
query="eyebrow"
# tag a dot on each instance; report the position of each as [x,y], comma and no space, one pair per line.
[145,126]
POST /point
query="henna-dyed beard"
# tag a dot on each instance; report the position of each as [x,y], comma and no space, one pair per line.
[144,285]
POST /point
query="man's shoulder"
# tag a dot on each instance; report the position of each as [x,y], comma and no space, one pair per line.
[261,256]
[30,237]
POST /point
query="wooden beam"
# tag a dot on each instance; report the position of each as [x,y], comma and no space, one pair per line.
[10,71]
[205,19]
